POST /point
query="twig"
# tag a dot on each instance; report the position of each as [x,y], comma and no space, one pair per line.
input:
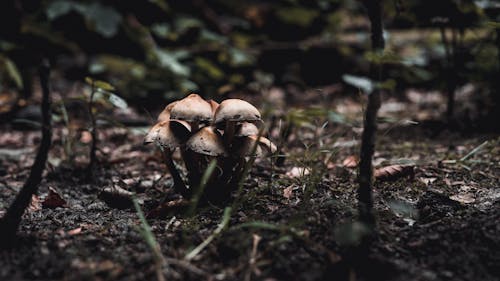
[93,132]
[10,222]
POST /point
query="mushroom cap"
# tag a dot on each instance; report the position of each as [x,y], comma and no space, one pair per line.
[244,146]
[165,114]
[246,129]
[214,105]
[169,134]
[207,141]
[192,108]
[236,110]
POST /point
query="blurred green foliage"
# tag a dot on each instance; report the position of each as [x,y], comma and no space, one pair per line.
[158,49]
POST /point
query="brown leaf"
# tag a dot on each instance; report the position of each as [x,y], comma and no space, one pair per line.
[167,207]
[351,161]
[34,204]
[464,198]
[393,172]
[75,231]
[117,197]
[53,200]
[296,172]
[86,137]
[288,192]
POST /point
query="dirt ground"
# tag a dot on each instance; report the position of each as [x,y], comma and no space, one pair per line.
[437,220]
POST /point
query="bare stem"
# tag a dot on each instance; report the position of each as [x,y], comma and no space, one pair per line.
[93,132]
[179,185]
[10,222]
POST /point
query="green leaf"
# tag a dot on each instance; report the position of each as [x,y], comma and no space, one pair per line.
[170,62]
[13,72]
[297,16]
[105,20]
[99,84]
[363,83]
[210,68]
[111,98]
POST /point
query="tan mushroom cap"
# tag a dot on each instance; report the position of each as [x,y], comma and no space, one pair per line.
[244,146]
[165,114]
[246,129]
[162,134]
[236,110]
[214,105]
[192,108]
[207,141]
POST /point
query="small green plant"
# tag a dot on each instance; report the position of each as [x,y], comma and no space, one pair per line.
[99,90]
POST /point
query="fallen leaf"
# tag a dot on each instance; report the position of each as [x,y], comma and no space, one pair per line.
[351,161]
[53,200]
[75,231]
[296,172]
[288,192]
[86,137]
[427,181]
[166,207]
[464,198]
[34,204]
[393,172]
[117,197]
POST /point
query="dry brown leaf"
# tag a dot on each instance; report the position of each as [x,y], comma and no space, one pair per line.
[86,137]
[296,172]
[117,197]
[464,198]
[34,204]
[53,200]
[75,231]
[167,207]
[288,192]
[427,181]
[393,172]
[351,161]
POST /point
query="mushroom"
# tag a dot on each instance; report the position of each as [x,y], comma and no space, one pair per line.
[165,114]
[246,129]
[207,141]
[193,109]
[232,111]
[214,105]
[245,146]
[169,135]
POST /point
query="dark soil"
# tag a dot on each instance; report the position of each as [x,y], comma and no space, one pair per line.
[440,223]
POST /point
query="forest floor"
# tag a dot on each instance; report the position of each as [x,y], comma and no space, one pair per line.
[437,220]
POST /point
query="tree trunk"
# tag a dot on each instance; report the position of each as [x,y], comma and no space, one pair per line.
[365,197]
[12,219]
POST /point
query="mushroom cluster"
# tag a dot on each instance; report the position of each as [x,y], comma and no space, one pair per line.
[203,131]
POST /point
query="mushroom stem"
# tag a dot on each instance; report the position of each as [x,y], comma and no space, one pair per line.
[229,133]
[179,185]
[195,126]
[191,160]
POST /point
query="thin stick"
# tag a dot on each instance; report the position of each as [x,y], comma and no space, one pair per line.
[93,132]
[10,222]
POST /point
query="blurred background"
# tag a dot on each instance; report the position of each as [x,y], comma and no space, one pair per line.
[154,51]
